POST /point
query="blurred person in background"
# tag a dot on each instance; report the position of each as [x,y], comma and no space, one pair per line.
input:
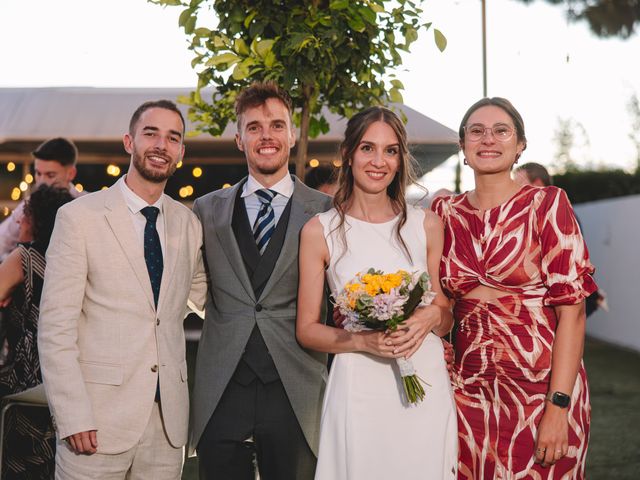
[54,165]
[322,178]
[30,445]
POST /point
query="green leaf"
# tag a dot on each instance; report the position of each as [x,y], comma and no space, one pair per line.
[339,4]
[190,25]
[240,72]
[376,8]
[395,96]
[184,16]
[196,61]
[411,35]
[263,47]
[441,40]
[223,58]
[269,59]
[219,41]
[170,3]
[249,19]
[368,14]
[202,32]
[398,84]
[356,23]
[240,47]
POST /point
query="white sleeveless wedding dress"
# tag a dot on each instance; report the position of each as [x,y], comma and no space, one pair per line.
[368,431]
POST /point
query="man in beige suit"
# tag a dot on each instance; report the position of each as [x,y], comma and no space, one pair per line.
[121,265]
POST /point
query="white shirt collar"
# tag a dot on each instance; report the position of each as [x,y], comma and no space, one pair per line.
[134,202]
[284,187]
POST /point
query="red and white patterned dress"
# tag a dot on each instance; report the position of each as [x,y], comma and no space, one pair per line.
[530,248]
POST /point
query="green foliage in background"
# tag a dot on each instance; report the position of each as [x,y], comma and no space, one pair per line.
[338,53]
[606,18]
[590,185]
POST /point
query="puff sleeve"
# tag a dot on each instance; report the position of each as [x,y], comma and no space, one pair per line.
[566,269]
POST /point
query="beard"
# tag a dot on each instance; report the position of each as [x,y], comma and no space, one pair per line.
[151,174]
[270,168]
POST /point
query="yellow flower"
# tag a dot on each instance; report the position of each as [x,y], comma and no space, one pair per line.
[353,287]
[371,289]
[387,286]
[352,302]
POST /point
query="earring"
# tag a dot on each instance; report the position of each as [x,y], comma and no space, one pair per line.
[465,162]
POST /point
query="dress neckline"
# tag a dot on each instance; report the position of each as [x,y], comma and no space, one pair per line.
[394,219]
[500,205]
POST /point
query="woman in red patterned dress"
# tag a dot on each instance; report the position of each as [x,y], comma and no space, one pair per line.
[517,267]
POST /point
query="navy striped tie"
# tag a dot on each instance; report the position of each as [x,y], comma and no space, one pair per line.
[153,250]
[266,221]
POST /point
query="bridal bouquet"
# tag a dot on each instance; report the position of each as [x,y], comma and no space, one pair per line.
[381,301]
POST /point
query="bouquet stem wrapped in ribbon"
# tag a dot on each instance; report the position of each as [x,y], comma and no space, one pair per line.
[382,301]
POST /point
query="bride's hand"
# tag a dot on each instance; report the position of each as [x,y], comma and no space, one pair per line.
[409,336]
[377,343]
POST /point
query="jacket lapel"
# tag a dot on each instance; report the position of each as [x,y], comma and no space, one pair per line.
[119,221]
[173,235]
[222,209]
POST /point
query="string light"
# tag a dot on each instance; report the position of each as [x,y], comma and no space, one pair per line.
[337,163]
[179,164]
[113,170]
[104,187]
[23,186]
[15,194]
[79,187]
[11,166]
[28,178]
[197,172]
[186,191]
[226,185]
[313,163]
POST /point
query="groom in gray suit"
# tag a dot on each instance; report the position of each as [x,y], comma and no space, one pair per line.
[258,393]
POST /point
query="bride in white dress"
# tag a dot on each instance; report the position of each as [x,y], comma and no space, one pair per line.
[368,431]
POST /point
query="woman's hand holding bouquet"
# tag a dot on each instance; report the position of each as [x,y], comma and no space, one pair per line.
[385,302]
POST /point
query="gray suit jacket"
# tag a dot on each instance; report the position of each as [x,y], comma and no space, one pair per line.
[232,311]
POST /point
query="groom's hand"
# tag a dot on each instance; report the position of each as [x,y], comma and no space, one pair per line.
[83,442]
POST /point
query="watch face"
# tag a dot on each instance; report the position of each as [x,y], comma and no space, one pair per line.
[560,399]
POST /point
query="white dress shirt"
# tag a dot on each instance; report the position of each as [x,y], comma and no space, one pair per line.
[284,190]
[135,204]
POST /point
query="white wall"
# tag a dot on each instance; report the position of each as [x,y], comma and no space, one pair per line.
[612,231]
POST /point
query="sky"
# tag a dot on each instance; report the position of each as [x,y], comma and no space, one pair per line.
[550,69]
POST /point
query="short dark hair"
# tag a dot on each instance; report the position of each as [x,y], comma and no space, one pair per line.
[320,175]
[41,208]
[166,104]
[535,171]
[505,105]
[57,149]
[257,94]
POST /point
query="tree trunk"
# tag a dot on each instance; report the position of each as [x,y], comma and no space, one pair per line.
[303,141]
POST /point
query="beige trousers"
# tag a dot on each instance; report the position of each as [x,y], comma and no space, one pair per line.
[152,458]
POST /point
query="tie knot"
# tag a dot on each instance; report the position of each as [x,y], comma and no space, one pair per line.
[265,195]
[150,213]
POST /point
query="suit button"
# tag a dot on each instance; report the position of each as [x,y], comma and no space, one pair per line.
[258,308]
[157,321]
[154,369]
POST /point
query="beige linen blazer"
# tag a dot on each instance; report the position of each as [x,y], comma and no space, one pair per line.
[103,345]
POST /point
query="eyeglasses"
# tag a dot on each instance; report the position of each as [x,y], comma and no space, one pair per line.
[500,131]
